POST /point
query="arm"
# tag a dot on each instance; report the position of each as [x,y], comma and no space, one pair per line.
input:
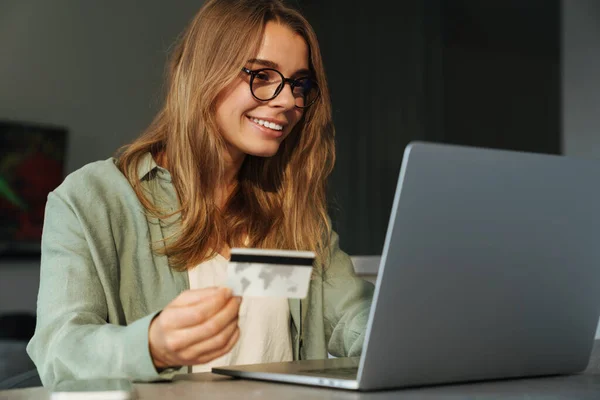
[347,301]
[73,339]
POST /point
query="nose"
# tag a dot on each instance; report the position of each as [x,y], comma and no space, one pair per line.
[285,98]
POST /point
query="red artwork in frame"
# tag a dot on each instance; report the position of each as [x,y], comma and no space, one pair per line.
[32,163]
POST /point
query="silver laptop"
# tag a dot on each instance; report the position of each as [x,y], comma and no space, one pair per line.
[490,269]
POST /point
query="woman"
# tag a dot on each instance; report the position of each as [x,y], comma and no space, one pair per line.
[134,249]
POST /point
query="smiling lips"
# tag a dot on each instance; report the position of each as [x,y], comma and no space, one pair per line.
[267,124]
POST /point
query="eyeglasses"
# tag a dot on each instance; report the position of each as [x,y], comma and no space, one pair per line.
[267,83]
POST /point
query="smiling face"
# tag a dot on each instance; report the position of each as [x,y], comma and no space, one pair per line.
[254,127]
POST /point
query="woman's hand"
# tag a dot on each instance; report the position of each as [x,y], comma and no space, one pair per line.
[195,328]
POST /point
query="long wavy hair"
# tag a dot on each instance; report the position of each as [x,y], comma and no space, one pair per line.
[280,201]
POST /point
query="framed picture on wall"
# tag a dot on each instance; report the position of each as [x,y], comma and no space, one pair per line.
[32,164]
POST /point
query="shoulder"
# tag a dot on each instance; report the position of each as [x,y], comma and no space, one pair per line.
[95,174]
[100,178]
[96,191]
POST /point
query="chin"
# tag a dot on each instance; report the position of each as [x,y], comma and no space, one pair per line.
[263,151]
[265,154]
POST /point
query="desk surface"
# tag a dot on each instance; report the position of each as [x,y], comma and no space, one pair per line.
[208,386]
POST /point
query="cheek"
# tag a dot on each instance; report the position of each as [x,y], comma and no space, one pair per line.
[242,98]
[235,100]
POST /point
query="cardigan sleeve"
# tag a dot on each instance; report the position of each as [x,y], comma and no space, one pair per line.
[73,339]
[346,303]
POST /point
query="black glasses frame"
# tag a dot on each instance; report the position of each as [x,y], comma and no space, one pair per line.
[292,82]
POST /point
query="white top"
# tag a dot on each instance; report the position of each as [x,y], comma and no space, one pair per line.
[264,322]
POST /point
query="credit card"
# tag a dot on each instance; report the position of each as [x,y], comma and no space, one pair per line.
[270,273]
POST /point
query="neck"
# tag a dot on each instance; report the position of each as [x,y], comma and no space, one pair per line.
[231,172]
[233,164]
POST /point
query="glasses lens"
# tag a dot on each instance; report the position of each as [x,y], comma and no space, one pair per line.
[306,92]
[265,83]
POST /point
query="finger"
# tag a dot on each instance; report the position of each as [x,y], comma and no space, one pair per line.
[218,353]
[179,354]
[181,317]
[208,357]
[193,334]
[215,343]
[194,296]
[215,355]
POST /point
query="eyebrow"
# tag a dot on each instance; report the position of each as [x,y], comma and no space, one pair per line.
[274,65]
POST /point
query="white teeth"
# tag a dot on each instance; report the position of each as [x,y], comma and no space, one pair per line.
[268,124]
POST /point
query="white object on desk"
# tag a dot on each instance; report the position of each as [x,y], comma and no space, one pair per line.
[93,389]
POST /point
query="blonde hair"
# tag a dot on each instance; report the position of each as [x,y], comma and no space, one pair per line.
[279,202]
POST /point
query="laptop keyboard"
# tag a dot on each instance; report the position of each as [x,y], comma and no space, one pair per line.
[347,372]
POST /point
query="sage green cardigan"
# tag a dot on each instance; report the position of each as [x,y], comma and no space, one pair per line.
[101,283]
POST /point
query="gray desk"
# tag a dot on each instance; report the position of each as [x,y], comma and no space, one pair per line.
[209,386]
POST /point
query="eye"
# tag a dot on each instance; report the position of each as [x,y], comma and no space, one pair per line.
[303,86]
[262,75]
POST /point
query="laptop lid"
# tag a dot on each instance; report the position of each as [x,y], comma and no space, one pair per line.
[490,269]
